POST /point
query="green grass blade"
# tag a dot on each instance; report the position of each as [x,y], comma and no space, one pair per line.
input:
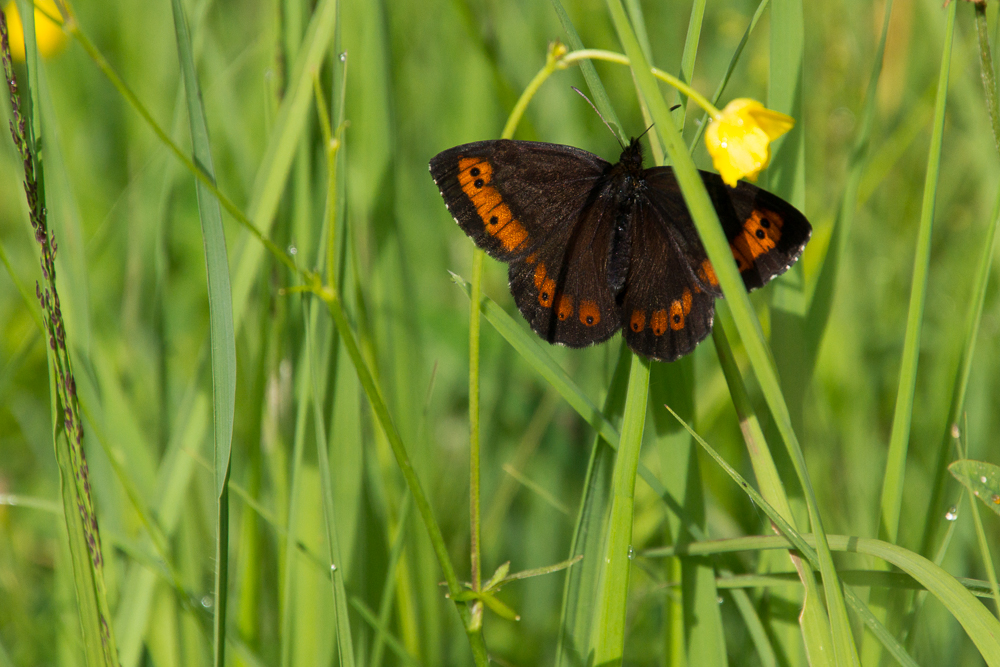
[688,55]
[530,348]
[758,633]
[814,622]
[892,484]
[717,95]
[342,621]
[291,122]
[822,300]
[381,411]
[383,634]
[594,85]
[693,625]
[984,545]
[608,642]
[582,581]
[66,428]
[222,333]
[706,220]
[814,643]
[964,370]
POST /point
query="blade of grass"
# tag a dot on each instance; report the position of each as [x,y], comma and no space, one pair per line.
[822,300]
[287,608]
[345,645]
[594,85]
[580,588]
[692,622]
[982,627]
[291,122]
[529,347]
[66,420]
[381,410]
[688,55]
[970,334]
[813,621]
[382,633]
[756,629]
[706,221]
[892,485]
[806,548]
[703,123]
[222,334]
[608,644]
[389,587]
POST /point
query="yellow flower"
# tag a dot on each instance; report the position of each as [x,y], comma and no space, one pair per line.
[738,138]
[48,33]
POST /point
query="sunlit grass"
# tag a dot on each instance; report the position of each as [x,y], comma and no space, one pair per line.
[350,437]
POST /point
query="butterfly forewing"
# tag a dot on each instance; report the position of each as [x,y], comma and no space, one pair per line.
[509,196]
[561,288]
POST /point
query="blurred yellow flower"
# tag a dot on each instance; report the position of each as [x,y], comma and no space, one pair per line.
[739,138]
[49,34]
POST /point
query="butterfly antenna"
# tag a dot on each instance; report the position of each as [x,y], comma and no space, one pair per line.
[673,108]
[611,129]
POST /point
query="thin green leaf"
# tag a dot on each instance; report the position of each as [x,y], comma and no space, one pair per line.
[291,122]
[538,571]
[982,627]
[892,485]
[580,590]
[222,333]
[594,85]
[970,335]
[345,644]
[380,629]
[981,478]
[608,643]
[529,347]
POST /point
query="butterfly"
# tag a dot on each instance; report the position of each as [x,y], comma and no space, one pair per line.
[595,247]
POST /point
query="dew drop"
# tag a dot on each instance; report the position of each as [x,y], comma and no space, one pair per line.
[292,250]
[343,57]
[951,514]
[719,599]
[983,479]
[333,568]
[955,433]
[206,602]
[631,552]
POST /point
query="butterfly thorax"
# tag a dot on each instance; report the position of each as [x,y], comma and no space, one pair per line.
[627,183]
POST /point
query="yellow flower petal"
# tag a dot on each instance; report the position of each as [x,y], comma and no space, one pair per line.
[49,35]
[739,138]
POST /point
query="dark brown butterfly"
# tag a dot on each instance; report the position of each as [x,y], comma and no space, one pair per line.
[595,247]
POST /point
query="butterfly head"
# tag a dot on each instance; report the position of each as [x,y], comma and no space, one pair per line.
[631,157]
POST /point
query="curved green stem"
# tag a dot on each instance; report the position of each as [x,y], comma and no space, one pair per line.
[612,57]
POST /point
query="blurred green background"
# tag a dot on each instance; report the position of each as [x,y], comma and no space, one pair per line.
[422,77]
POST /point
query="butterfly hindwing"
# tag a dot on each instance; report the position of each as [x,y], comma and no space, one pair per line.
[766,234]
[561,288]
[669,298]
[509,196]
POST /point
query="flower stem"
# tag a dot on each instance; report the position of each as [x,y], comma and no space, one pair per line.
[612,57]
